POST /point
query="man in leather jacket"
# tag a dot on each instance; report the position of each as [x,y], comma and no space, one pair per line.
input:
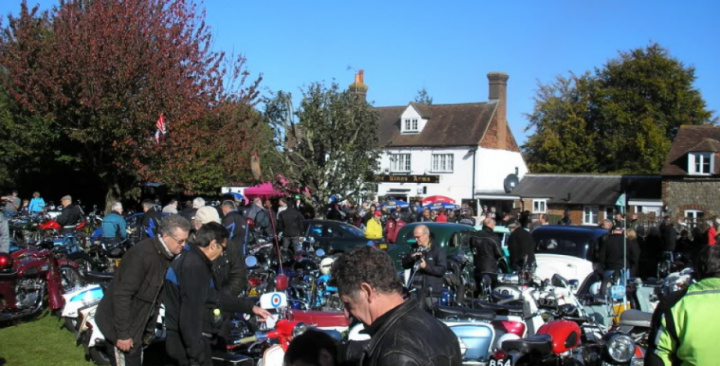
[485,246]
[433,264]
[71,214]
[128,311]
[401,332]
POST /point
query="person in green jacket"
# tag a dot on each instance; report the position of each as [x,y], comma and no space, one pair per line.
[685,324]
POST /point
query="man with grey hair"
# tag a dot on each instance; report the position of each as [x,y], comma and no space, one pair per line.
[113,225]
[130,307]
[401,332]
[151,220]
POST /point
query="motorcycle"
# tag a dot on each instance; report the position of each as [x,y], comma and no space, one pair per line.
[269,344]
[103,256]
[27,277]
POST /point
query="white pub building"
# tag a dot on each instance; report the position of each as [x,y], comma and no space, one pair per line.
[463,151]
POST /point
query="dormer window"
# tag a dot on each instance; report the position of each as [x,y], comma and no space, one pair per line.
[700,163]
[411,125]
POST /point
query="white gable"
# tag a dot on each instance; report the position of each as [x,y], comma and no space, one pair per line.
[411,121]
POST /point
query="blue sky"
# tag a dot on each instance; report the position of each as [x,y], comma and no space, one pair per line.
[449,47]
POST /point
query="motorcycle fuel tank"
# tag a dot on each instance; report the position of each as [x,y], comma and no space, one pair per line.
[565,334]
[475,339]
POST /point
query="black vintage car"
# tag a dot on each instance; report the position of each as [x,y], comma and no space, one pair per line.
[334,236]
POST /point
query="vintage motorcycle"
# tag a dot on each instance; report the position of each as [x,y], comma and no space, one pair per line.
[28,276]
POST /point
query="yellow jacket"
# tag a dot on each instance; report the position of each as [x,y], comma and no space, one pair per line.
[373,229]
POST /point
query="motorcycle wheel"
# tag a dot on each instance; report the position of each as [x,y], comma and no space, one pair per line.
[71,278]
[99,355]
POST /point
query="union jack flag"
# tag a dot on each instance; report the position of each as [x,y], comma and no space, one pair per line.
[161,127]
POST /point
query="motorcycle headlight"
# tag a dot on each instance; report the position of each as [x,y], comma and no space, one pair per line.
[299,329]
[621,348]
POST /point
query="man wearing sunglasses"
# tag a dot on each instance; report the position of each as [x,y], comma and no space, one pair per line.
[192,308]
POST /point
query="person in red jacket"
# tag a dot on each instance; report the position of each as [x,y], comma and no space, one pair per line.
[441,217]
[393,226]
[711,233]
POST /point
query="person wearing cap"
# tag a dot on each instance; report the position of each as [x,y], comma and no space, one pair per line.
[373,227]
[113,225]
[521,246]
[189,211]
[151,220]
[70,215]
[393,226]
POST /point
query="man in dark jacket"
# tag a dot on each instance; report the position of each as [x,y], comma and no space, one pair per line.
[230,269]
[521,245]
[433,263]
[128,311]
[71,214]
[402,333]
[151,220]
[485,246]
[612,255]
[190,299]
[290,223]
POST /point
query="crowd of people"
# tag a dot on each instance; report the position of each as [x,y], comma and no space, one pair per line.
[190,259]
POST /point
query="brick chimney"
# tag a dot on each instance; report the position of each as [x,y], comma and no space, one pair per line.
[498,92]
[359,88]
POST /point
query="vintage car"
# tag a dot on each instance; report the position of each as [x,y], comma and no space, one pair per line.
[335,236]
[566,250]
[447,236]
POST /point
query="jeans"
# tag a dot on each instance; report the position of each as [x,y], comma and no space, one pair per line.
[4,235]
[295,241]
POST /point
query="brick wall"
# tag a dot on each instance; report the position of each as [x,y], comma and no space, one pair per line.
[692,194]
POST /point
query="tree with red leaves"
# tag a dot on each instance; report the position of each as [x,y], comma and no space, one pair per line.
[100,72]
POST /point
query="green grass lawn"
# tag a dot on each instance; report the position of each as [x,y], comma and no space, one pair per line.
[40,341]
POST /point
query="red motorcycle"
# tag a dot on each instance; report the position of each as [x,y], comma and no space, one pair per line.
[28,276]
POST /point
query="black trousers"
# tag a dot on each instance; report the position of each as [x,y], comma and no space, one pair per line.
[175,348]
[120,358]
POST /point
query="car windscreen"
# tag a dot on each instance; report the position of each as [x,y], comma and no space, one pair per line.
[562,246]
[353,231]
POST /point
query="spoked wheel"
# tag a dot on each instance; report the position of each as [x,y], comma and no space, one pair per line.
[71,278]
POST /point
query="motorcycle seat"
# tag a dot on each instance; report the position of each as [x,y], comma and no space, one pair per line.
[449,312]
[497,308]
[536,344]
[8,276]
[635,318]
[99,276]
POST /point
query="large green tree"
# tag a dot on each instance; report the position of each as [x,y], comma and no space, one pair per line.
[621,118]
[100,72]
[329,145]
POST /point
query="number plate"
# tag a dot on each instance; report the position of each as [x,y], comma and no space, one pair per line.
[383,246]
[502,362]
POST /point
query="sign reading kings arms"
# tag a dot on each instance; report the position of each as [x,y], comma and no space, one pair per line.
[408,178]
